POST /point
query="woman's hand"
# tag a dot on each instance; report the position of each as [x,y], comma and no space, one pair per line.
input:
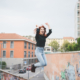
[37,26]
[47,25]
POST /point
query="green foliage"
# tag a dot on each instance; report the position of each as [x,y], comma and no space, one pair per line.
[71,46]
[78,42]
[3,64]
[64,47]
[54,45]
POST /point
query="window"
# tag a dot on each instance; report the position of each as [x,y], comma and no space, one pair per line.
[25,45]
[78,12]
[24,54]
[4,53]
[12,44]
[78,5]
[78,19]
[78,26]
[32,60]
[4,44]
[28,45]
[35,55]
[78,33]
[32,54]
[11,54]
[29,54]
[48,49]
[32,46]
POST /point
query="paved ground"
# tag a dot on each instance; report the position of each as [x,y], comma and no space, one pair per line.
[28,74]
[38,76]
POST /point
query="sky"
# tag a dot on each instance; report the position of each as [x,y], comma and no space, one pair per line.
[22,16]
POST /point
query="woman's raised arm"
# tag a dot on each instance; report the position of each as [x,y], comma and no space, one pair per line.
[37,31]
[50,30]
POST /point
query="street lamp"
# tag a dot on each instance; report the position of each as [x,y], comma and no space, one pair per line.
[1,56]
[28,68]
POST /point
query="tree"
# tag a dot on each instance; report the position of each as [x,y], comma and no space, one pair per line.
[65,45]
[3,64]
[55,45]
[72,46]
[78,42]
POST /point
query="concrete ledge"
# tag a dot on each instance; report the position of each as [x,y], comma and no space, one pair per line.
[12,74]
[65,52]
[45,76]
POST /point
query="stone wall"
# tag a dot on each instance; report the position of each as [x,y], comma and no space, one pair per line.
[63,65]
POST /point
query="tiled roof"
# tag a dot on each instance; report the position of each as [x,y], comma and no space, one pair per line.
[68,38]
[14,36]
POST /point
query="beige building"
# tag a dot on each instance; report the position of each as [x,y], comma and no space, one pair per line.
[31,37]
[77,19]
[48,49]
[60,40]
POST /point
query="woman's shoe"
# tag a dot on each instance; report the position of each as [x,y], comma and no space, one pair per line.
[33,68]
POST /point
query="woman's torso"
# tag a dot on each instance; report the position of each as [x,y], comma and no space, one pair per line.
[40,41]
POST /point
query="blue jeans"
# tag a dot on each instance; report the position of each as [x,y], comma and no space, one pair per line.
[39,52]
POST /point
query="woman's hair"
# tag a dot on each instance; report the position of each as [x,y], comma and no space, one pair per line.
[39,30]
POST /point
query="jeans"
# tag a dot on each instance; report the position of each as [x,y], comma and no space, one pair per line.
[39,52]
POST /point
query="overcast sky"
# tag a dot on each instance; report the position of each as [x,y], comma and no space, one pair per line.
[21,16]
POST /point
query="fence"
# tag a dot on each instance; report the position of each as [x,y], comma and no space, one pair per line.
[8,76]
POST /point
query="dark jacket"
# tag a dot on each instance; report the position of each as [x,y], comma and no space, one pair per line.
[41,39]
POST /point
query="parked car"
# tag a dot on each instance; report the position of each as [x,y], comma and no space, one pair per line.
[22,70]
[29,68]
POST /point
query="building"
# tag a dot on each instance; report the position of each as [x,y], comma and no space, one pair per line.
[77,20]
[48,49]
[60,40]
[17,49]
[31,37]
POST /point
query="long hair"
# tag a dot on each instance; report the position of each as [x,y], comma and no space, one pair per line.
[39,30]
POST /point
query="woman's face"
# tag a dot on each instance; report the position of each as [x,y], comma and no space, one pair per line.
[41,31]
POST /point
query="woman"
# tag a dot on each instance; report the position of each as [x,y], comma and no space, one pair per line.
[39,51]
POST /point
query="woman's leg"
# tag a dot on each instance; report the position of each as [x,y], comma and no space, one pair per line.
[45,60]
[44,57]
[40,58]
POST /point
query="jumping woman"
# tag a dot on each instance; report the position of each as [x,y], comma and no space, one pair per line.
[39,51]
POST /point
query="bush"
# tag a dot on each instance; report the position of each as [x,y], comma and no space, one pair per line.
[3,65]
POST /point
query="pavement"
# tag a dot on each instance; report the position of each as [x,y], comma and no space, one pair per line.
[39,76]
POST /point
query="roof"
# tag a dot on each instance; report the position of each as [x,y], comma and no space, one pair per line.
[14,36]
[68,38]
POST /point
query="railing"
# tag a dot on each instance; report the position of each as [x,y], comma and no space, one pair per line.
[4,75]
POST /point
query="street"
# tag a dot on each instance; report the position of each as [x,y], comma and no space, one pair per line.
[39,76]
[29,74]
